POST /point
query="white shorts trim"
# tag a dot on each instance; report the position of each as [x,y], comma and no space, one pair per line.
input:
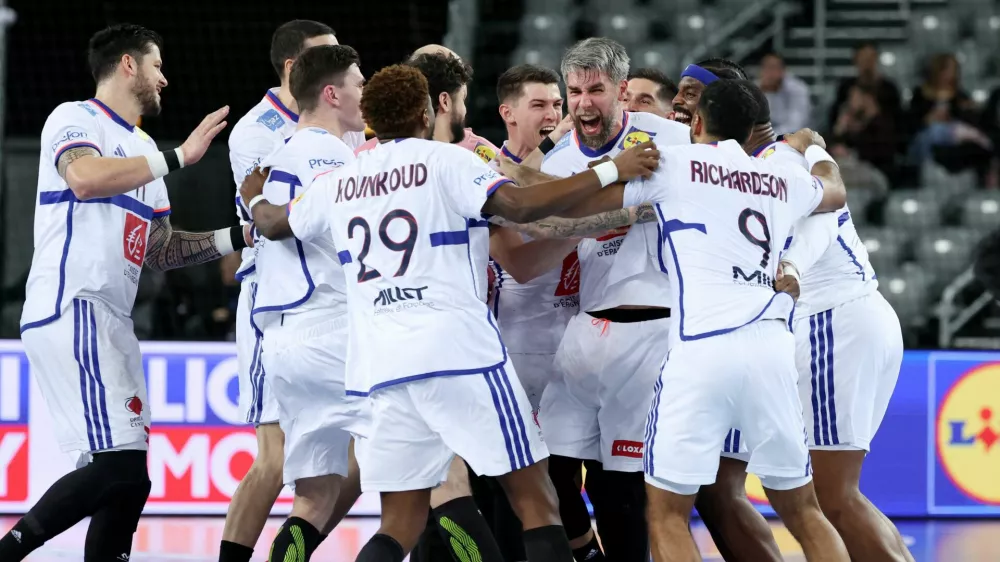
[257,405]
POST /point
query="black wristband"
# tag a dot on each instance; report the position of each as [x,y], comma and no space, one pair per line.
[236,238]
[173,163]
[546,145]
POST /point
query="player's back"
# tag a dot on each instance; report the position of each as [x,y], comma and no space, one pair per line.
[93,248]
[843,272]
[295,276]
[724,216]
[401,217]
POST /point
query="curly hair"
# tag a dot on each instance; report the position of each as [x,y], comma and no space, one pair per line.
[394,100]
[444,73]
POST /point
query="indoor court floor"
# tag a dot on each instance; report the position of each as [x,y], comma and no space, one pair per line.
[167,539]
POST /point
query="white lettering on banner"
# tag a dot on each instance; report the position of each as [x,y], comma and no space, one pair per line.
[222,456]
[162,411]
[10,382]
[9,446]
[197,392]
[218,398]
[192,458]
[194,390]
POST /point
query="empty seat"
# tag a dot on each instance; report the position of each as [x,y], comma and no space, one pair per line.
[907,290]
[663,56]
[913,209]
[859,201]
[933,32]
[542,55]
[693,28]
[981,210]
[628,28]
[563,7]
[886,247]
[898,63]
[546,29]
[987,30]
[945,253]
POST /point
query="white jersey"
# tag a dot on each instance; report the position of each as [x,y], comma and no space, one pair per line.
[723,216]
[401,216]
[533,315]
[295,276]
[90,249]
[597,255]
[257,134]
[832,258]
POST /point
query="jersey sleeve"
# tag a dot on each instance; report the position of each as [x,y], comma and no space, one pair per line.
[811,238]
[309,213]
[805,191]
[71,126]
[468,181]
[247,149]
[160,199]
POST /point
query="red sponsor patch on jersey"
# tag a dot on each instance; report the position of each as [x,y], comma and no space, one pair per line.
[613,234]
[134,238]
[569,277]
[621,448]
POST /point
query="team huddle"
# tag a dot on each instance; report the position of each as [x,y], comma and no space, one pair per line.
[656,290]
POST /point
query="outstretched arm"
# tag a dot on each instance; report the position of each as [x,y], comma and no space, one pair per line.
[586,227]
[90,175]
[170,249]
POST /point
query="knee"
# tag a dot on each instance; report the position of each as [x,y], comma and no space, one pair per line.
[837,503]
[124,477]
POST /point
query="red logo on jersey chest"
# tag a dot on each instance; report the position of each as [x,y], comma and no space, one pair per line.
[134,238]
[569,278]
[613,234]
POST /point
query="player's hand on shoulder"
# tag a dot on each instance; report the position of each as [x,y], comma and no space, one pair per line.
[253,184]
[564,126]
[199,139]
[787,280]
[639,161]
[804,138]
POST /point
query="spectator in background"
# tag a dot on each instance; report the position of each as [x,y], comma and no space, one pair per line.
[864,127]
[788,96]
[650,91]
[941,120]
[869,77]
[989,123]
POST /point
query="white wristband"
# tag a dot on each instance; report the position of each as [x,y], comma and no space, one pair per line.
[254,201]
[223,243]
[180,156]
[157,164]
[816,154]
[789,269]
[607,172]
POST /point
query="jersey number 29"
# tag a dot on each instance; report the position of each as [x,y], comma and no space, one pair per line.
[405,246]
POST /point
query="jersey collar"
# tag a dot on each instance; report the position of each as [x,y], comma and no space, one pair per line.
[276,102]
[759,151]
[112,115]
[590,152]
[509,154]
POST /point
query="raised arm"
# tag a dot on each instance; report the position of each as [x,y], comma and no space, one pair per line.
[551,197]
[834,190]
[170,249]
[90,175]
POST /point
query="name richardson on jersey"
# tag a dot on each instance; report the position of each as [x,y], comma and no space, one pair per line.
[407,176]
[398,299]
[748,182]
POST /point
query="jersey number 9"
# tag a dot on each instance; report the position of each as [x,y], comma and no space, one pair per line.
[744,225]
[404,246]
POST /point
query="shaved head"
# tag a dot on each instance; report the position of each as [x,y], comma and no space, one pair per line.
[433,49]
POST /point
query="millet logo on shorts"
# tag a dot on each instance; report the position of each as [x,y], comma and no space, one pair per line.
[621,448]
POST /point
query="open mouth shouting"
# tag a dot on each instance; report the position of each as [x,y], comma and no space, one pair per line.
[590,125]
[681,115]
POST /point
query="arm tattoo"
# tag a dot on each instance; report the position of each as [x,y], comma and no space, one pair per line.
[169,249]
[72,155]
[586,227]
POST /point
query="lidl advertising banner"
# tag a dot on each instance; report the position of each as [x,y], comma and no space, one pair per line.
[936,454]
